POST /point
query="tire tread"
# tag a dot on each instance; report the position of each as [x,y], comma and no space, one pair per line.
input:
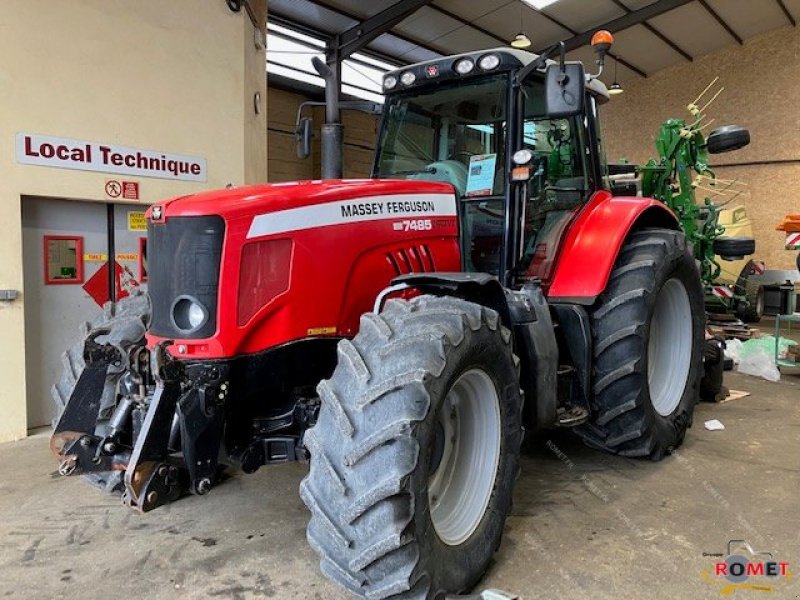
[379,414]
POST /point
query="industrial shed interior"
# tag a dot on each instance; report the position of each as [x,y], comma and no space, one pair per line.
[403,299]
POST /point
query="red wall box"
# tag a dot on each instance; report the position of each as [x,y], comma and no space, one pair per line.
[78,260]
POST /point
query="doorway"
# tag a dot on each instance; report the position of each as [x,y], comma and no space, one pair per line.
[69,247]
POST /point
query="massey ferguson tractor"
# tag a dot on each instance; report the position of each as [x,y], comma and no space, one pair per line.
[483,283]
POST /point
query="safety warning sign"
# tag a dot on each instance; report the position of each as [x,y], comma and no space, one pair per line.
[136,221]
[113,188]
[116,188]
[130,190]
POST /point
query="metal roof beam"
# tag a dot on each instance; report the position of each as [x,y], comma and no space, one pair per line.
[721,21]
[324,36]
[628,65]
[624,22]
[789,15]
[347,14]
[658,34]
[505,42]
[358,36]
[621,61]
[668,41]
[463,21]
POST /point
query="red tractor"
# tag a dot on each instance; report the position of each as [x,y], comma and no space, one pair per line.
[522,295]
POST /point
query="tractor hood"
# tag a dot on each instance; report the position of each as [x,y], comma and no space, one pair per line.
[235,203]
[253,264]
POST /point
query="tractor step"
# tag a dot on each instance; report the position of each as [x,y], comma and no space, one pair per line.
[572,416]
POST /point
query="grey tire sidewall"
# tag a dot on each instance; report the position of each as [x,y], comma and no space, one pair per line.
[459,567]
[759,304]
[752,310]
[682,268]
[134,306]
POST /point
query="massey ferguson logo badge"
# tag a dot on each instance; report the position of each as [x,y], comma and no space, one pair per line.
[156,213]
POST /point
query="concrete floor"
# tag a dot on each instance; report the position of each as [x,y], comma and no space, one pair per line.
[584,525]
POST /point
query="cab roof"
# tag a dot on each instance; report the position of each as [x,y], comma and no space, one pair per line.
[510,59]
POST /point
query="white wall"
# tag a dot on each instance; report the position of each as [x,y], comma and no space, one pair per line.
[175,76]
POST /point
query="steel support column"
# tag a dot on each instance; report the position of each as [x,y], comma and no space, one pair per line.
[339,48]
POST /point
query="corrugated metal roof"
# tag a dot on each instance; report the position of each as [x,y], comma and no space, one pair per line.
[453,26]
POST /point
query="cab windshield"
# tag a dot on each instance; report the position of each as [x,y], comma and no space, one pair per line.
[453,133]
[456,133]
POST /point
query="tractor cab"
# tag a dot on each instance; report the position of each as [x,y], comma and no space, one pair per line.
[507,130]
[586,305]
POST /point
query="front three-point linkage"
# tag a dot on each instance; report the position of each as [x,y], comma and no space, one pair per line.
[196,394]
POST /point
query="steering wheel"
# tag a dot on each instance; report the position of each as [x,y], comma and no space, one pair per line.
[449,171]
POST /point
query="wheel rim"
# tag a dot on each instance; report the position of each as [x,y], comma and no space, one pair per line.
[669,349]
[466,460]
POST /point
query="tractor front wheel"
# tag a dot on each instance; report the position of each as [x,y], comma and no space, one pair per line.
[125,321]
[415,451]
[648,334]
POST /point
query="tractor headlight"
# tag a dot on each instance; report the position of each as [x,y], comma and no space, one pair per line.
[408,78]
[464,66]
[489,62]
[188,314]
[390,82]
[522,157]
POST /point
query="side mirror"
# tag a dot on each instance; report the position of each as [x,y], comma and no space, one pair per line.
[727,139]
[302,135]
[565,87]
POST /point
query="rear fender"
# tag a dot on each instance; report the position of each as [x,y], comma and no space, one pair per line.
[594,241]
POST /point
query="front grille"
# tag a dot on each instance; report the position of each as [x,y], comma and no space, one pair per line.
[184,260]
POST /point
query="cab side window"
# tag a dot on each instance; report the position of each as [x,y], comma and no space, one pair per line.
[559,186]
[601,150]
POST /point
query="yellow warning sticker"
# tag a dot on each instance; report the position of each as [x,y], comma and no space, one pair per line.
[128,256]
[95,257]
[136,221]
[321,330]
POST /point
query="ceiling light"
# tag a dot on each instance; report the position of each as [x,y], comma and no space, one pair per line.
[615,89]
[521,41]
[539,4]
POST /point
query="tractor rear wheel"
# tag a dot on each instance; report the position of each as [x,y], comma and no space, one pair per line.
[648,334]
[415,452]
[121,318]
